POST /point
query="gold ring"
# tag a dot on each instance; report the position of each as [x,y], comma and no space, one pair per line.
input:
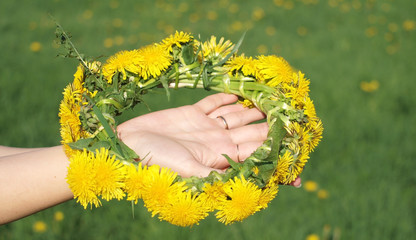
[238,154]
[225,122]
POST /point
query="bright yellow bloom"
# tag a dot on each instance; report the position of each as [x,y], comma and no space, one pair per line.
[246,65]
[109,175]
[243,201]
[274,70]
[81,178]
[214,51]
[120,62]
[310,186]
[213,193]
[309,109]
[312,237]
[40,227]
[298,89]
[184,210]
[176,40]
[133,184]
[316,130]
[152,60]
[369,86]
[159,188]
[267,195]
[283,164]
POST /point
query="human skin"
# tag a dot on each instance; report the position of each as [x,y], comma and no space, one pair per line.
[190,140]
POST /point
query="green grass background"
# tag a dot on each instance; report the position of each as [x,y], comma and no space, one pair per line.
[365,161]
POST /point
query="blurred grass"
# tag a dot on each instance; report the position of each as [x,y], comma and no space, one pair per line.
[366,159]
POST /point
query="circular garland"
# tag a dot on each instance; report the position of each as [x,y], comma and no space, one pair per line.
[102,167]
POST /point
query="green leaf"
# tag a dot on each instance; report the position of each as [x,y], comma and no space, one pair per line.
[81,144]
[233,164]
[188,54]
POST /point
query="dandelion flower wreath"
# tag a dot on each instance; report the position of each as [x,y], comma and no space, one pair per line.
[102,167]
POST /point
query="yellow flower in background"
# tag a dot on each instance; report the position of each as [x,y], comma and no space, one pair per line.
[152,60]
[409,25]
[133,183]
[312,237]
[40,227]
[176,40]
[184,210]
[109,175]
[310,186]
[243,201]
[274,70]
[58,216]
[370,86]
[35,46]
[323,194]
[81,178]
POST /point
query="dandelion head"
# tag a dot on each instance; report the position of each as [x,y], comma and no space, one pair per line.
[274,70]
[184,210]
[109,175]
[152,60]
[120,62]
[40,227]
[176,39]
[242,201]
[80,178]
[133,183]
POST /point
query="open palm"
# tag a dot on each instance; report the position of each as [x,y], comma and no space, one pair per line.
[191,139]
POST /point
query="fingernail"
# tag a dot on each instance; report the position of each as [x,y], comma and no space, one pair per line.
[298,186]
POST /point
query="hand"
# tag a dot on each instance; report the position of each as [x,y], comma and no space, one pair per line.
[191,139]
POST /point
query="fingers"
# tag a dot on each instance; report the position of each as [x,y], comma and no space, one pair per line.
[246,149]
[212,102]
[226,110]
[196,169]
[297,183]
[249,133]
[240,118]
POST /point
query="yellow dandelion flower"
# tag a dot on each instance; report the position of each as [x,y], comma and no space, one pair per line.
[40,227]
[267,195]
[120,62]
[159,188]
[274,70]
[309,109]
[313,237]
[81,178]
[297,165]
[310,186]
[298,89]
[243,201]
[109,175]
[246,65]
[213,194]
[153,60]
[133,184]
[176,39]
[370,86]
[323,194]
[409,25]
[246,103]
[58,216]
[35,46]
[282,169]
[316,130]
[214,51]
[184,210]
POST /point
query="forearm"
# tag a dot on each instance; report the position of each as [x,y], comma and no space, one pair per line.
[32,181]
[7,151]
